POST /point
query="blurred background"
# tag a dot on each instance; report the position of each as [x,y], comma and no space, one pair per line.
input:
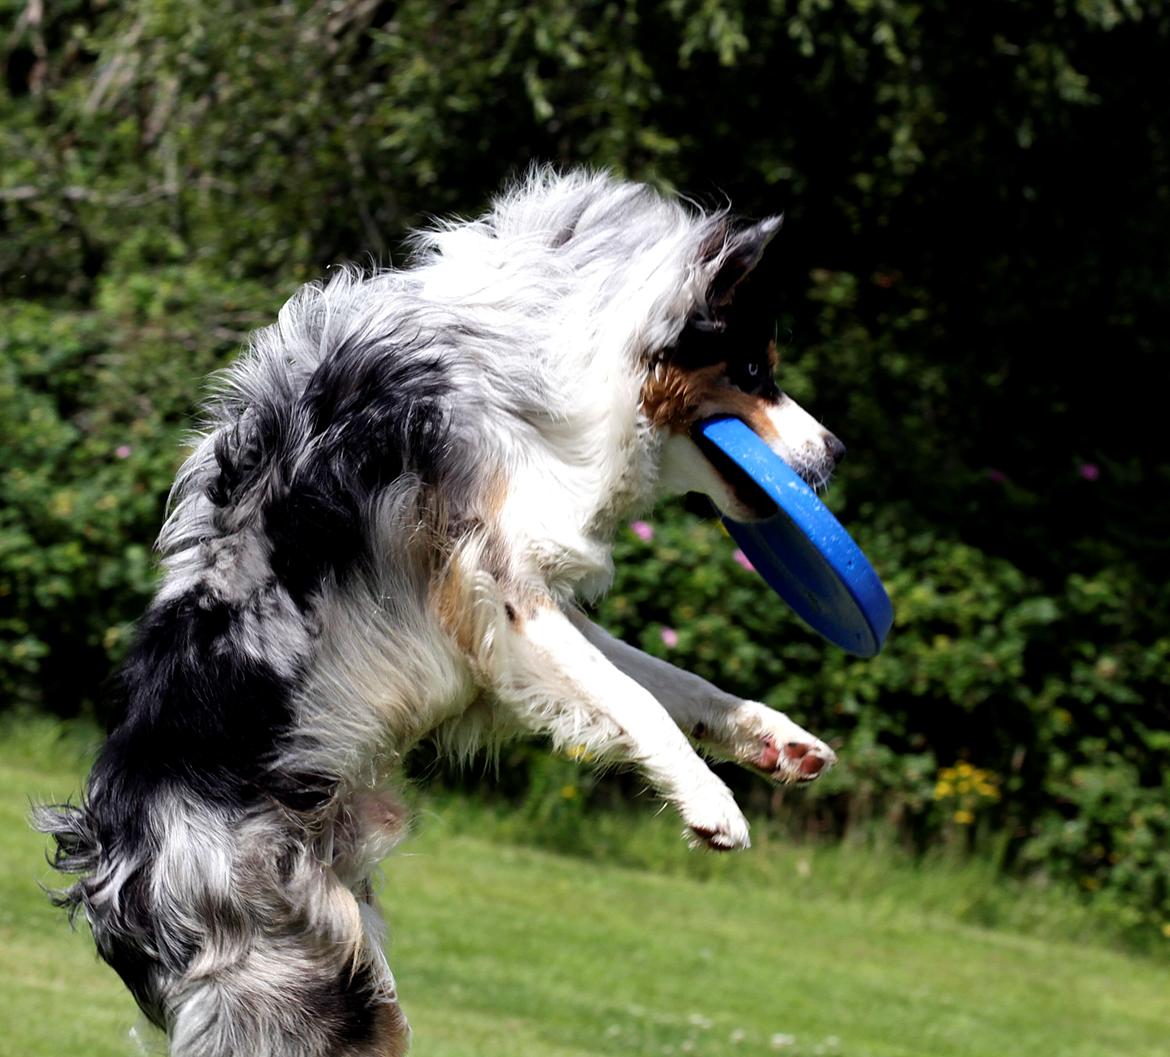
[975,296]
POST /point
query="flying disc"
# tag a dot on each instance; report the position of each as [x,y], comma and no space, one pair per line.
[802,551]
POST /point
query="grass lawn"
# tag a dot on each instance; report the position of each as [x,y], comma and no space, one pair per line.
[507,951]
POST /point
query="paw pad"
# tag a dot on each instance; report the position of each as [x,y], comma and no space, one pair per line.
[811,766]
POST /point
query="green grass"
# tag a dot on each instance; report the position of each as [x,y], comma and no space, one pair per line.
[509,951]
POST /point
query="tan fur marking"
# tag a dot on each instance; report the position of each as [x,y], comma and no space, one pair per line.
[452,596]
[677,398]
[452,602]
[727,400]
[672,396]
[391,1035]
[494,494]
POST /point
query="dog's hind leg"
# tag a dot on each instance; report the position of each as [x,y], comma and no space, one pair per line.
[289,963]
[559,683]
[276,1003]
[722,724]
[287,998]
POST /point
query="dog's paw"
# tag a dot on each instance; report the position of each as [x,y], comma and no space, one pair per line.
[793,761]
[784,751]
[769,742]
[716,822]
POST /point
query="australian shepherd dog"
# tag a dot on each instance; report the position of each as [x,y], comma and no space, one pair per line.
[404,487]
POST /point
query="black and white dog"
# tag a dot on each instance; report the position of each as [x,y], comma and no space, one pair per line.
[404,485]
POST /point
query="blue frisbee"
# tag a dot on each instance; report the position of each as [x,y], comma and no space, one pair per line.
[802,551]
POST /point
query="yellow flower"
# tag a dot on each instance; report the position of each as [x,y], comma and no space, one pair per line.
[579,753]
[964,817]
[61,504]
[943,789]
[1166,929]
[569,792]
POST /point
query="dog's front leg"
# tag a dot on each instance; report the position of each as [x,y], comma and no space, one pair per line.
[721,724]
[562,685]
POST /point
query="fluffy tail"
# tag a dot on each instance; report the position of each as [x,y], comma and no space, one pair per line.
[233,936]
[103,893]
[77,849]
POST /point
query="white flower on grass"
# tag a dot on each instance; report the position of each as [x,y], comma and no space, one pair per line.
[699,1021]
[781,1041]
[737,1036]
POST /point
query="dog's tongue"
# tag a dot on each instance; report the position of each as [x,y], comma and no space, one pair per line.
[802,551]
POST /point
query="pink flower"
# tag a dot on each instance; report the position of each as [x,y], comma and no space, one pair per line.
[743,560]
[642,530]
[1090,471]
[669,638]
[123,451]
[998,476]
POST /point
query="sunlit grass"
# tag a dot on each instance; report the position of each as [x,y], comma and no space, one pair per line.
[503,950]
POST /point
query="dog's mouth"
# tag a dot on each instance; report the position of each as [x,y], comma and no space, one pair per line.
[750,496]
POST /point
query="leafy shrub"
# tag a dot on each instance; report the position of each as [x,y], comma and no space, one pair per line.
[94,404]
[173,168]
[987,684]
[1058,694]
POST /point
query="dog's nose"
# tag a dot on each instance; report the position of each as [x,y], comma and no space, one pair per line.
[835,448]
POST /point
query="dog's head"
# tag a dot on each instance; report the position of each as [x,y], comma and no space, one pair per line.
[608,321]
[724,362]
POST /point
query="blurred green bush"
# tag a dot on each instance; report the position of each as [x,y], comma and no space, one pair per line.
[1036,695]
[970,297]
[93,407]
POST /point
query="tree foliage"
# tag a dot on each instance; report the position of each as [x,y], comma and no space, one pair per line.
[974,297]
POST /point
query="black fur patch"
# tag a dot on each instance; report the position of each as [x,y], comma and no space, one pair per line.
[740,331]
[347,1005]
[196,709]
[129,942]
[743,348]
[197,717]
[373,410]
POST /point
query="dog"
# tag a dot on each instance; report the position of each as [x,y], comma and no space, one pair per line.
[404,488]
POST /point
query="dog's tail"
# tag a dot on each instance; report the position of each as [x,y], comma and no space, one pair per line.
[106,892]
[77,849]
[246,943]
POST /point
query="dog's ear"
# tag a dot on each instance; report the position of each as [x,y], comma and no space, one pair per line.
[733,256]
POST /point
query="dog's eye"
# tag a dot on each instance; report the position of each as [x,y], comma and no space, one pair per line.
[751,375]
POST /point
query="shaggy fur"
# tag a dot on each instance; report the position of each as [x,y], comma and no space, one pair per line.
[403,487]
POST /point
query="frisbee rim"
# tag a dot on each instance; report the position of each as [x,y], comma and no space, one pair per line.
[860,631]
